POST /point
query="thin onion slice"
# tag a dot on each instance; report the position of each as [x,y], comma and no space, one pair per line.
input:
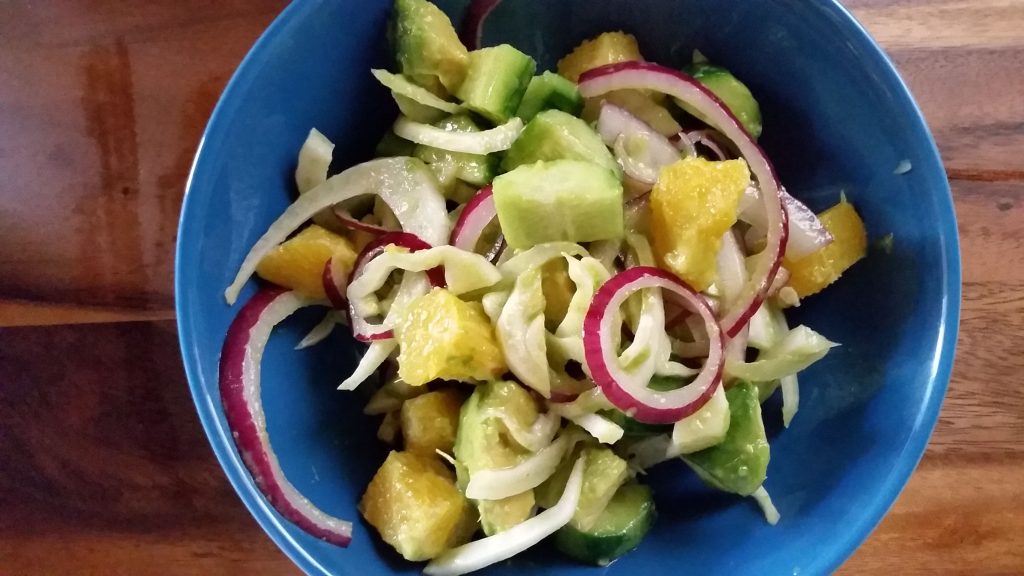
[240,359]
[334,283]
[639,149]
[479,212]
[485,142]
[504,545]
[628,391]
[807,234]
[400,86]
[406,185]
[706,139]
[647,76]
[535,437]
[527,475]
[352,223]
[362,329]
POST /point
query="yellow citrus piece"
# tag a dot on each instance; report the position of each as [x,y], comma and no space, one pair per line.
[414,504]
[298,263]
[812,273]
[442,336]
[430,421]
[608,48]
[693,204]
[558,290]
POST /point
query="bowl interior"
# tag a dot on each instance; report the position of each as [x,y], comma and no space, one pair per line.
[836,119]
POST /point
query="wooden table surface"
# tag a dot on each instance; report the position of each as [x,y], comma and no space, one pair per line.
[105,469]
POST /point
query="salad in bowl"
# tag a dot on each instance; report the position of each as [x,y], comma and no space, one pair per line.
[561,279]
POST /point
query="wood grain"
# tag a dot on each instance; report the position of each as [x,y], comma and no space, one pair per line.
[106,468]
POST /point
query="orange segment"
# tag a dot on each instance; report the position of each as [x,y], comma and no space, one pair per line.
[430,421]
[693,203]
[608,48]
[441,336]
[811,274]
[298,263]
[414,504]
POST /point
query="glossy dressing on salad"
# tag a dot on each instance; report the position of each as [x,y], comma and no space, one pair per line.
[560,279]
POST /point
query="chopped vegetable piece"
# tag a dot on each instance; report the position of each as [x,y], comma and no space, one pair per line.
[430,421]
[733,93]
[414,504]
[427,49]
[496,81]
[619,528]
[299,262]
[549,91]
[602,476]
[441,336]
[563,200]
[555,135]
[739,463]
[608,48]
[483,443]
[637,103]
[453,167]
[811,274]
[693,204]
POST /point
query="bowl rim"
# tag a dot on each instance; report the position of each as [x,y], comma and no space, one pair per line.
[837,552]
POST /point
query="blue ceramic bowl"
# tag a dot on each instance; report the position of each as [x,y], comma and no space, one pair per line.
[836,117]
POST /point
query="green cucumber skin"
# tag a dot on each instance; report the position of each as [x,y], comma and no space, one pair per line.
[556,135]
[620,529]
[549,91]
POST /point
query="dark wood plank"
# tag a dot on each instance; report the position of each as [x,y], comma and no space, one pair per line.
[106,468]
[101,115]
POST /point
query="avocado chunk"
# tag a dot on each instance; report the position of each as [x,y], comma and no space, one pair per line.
[739,464]
[392,144]
[603,473]
[482,442]
[733,93]
[555,135]
[563,200]
[453,167]
[495,82]
[427,49]
[619,528]
[549,91]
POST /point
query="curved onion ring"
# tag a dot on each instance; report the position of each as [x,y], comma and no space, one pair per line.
[478,213]
[240,394]
[647,76]
[629,392]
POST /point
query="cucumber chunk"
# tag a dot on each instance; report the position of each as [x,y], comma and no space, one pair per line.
[563,200]
[619,529]
[555,135]
[495,82]
[549,91]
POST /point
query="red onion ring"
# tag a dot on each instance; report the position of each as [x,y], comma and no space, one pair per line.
[240,394]
[334,286]
[353,223]
[476,215]
[473,23]
[361,329]
[648,76]
[627,392]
